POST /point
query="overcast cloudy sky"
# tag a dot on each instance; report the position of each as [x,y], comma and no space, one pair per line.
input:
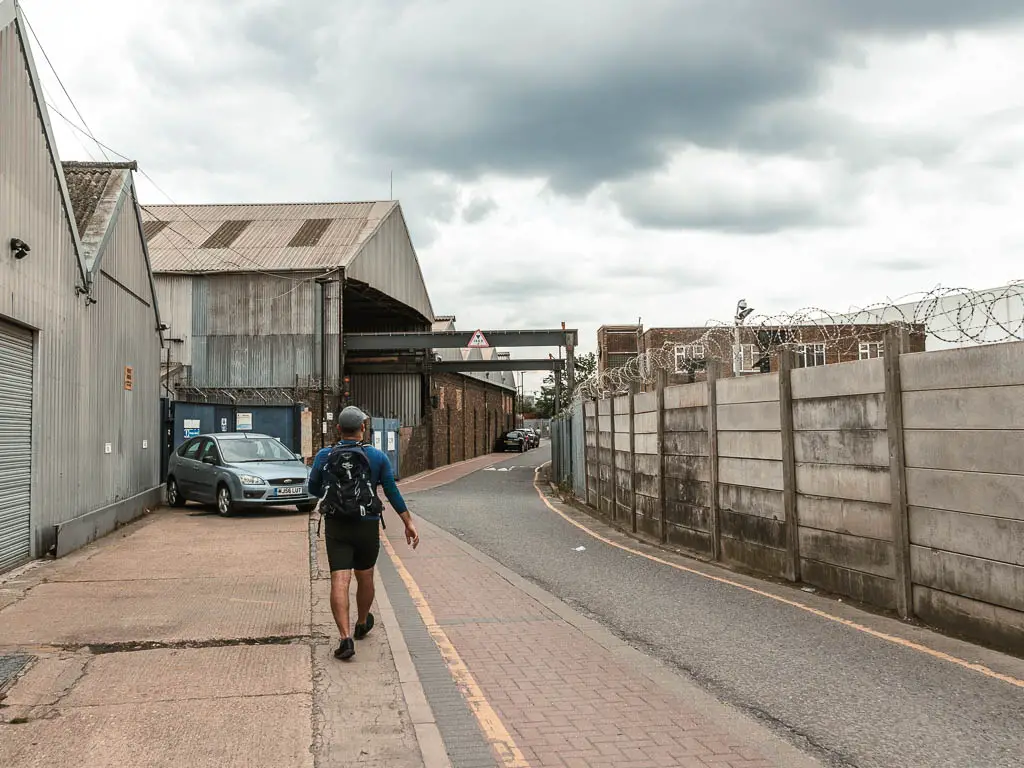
[583,161]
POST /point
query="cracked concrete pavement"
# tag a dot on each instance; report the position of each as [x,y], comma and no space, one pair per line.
[191,639]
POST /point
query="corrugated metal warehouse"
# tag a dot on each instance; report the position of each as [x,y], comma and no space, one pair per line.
[79,333]
[258,300]
[255,297]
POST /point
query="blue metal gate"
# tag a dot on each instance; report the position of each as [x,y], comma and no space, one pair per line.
[282,422]
[385,436]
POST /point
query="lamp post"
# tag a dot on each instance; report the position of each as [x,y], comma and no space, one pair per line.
[742,313]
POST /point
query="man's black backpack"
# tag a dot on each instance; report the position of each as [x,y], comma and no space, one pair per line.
[350,492]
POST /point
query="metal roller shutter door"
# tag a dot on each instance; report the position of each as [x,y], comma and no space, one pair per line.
[15,445]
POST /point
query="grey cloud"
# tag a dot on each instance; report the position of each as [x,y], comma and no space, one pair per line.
[657,212]
[704,72]
[478,210]
[577,93]
[903,264]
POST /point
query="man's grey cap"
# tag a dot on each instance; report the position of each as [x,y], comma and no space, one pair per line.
[351,418]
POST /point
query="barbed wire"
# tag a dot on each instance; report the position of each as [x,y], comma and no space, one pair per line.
[955,316]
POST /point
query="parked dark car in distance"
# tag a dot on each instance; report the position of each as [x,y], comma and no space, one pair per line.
[512,441]
[238,469]
[533,437]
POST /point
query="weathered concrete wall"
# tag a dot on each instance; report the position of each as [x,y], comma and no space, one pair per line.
[843,485]
[751,509]
[645,423]
[590,453]
[687,467]
[623,463]
[905,483]
[963,419]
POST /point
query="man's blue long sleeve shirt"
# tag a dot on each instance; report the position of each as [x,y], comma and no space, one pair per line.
[380,474]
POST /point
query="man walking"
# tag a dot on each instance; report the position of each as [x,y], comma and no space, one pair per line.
[346,477]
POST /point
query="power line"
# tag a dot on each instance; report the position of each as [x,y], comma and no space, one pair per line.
[176,205]
[78,139]
[85,133]
[85,130]
[61,82]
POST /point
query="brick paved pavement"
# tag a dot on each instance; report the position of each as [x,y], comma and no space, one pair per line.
[567,699]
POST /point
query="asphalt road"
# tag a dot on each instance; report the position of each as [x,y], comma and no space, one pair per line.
[842,695]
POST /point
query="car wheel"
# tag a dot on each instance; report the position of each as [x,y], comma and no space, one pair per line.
[224,504]
[174,497]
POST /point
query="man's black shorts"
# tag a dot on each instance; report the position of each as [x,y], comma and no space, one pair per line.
[352,544]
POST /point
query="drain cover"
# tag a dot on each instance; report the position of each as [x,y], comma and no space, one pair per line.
[11,665]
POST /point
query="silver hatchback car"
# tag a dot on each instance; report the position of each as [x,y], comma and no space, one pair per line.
[238,469]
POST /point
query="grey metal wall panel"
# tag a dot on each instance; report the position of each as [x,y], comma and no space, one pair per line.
[79,399]
[388,262]
[122,258]
[259,361]
[253,330]
[16,352]
[255,304]
[392,396]
[174,294]
[118,332]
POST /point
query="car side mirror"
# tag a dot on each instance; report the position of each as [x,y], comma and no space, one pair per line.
[210,460]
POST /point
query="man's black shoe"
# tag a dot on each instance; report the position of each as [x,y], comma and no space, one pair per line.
[362,630]
[346,650]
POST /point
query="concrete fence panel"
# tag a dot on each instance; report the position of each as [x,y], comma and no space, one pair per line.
[686,396]
[749,389]
[843,483]
[993,365]
[896,481]
[749,417]
[963,435]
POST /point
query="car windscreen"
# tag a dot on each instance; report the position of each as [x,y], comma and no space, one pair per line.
[255,449]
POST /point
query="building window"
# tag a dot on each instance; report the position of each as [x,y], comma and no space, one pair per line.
[809,355]
[749,355]
[687,354]
[871,349]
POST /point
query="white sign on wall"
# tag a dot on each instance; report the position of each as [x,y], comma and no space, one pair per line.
[391,441]
[377,440]
[243,422]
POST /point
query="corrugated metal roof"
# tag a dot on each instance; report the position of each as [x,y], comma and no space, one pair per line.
[279,237]
[369,240]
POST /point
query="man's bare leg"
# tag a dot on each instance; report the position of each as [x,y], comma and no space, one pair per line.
[340,581]
[365,591]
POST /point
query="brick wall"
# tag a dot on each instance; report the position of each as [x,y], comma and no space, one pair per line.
[470,416]
[414,447]
[616,345]
[842,345]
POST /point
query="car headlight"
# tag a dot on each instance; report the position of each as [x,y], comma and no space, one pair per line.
[251,480]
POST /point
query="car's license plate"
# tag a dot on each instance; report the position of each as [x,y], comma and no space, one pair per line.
[296,491]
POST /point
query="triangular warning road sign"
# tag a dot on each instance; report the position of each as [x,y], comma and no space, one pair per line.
[478,341]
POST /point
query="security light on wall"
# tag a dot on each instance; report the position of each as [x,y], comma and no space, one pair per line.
[19,248]
[742,310]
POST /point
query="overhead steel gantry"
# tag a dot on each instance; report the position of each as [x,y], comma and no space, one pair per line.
[423,341]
